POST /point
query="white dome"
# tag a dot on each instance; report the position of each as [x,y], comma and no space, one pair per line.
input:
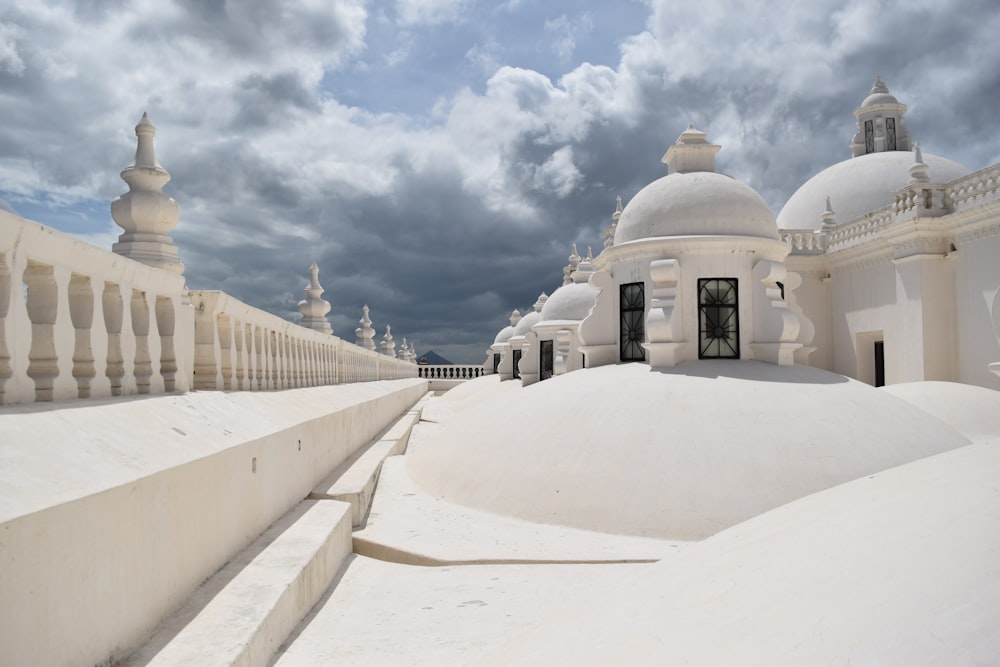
[879,98]
[524,326]
[504,335]
[690,458]
[569,303]
[859,185]
[699,203]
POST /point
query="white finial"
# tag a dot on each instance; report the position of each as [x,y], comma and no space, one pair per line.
[542,298]
[515,317]
[829,217]
[364,335]
[144,212]
[314,308]
[919,171]
[388,345]
[574,260]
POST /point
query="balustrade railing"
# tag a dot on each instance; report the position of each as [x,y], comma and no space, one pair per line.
[451,371]
[77,321]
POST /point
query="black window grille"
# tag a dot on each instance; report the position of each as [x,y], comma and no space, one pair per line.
[869,137]
[633,326]
[546,361]
[718,319]
[496,362]
[890,134]
[517,361]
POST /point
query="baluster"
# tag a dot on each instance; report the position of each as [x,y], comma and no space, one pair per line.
[164,311]
[42,306]
[223,326]
[81,312]
[140,328]
[6,371]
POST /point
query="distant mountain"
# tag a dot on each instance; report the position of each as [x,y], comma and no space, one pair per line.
[432,358]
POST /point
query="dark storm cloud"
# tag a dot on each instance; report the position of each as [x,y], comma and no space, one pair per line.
[443,223]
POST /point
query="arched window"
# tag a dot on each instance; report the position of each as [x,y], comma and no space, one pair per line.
[718,319]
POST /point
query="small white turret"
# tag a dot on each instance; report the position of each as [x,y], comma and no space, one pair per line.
[568,270]
[144,212]
[919,171]
[388,345]
[609,232]
[364,335]
[314,308]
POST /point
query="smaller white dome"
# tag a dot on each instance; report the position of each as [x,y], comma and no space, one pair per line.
[504,335]
[879,95]
[524,326]
[700,203]
[569,303]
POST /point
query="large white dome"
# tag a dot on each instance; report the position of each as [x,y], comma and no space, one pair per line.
[859,185]
[698,203]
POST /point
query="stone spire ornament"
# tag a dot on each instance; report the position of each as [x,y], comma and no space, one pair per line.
[542,298]
[388,345]
[609,232]
[919,171]
[574,260]
[144,212]
[313,307]
[404,351]
[829,217]
[364,335]
[515,315]
[585,270]
[413,353]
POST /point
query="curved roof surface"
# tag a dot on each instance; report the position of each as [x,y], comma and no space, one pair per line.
[859,185]
[695,203]
[570,302]
[676,455]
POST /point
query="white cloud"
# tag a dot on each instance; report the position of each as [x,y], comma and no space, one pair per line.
[430,12]
[565,32]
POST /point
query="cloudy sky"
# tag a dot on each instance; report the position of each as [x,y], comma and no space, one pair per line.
[437,158]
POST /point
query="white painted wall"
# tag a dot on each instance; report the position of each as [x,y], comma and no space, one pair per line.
[113,514]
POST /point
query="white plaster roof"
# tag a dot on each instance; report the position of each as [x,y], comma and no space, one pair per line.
[896,568]
[695,203]
[859,185]
[570,302]
[972,411]
[676,455]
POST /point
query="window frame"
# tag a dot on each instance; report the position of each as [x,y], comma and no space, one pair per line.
[733,340]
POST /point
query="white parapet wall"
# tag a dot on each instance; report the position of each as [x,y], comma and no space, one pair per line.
[77,321]
[446,376]
[239,347]
[111,515]
[80,322]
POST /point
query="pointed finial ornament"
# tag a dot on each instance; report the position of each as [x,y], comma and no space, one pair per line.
[829,217]
[574,260]
[314,308]
[542,298]
[144,212]
[515,317]
[388,345]
[609,231]
[585,270]
[919,171]
[364,335]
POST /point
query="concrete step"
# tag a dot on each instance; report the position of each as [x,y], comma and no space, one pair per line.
[242,614]
[355,479]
